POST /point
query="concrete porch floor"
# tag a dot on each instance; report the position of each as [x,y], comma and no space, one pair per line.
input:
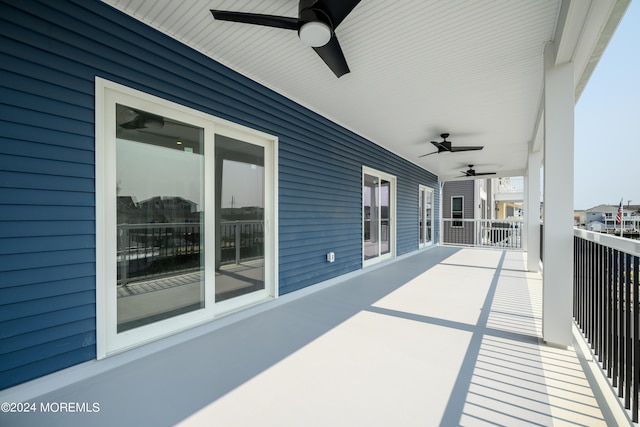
[446,337]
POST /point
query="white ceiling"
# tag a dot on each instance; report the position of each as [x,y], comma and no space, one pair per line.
[419,68]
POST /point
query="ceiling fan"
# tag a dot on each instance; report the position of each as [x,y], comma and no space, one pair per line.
[316,24]
[472,172]
[445,145]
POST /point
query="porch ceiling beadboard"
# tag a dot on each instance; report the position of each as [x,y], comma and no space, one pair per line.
[50,55]
[418,68]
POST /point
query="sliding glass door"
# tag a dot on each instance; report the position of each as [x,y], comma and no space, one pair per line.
[425,216]
[378,200]
[159,215]
[240,197]
[186,217]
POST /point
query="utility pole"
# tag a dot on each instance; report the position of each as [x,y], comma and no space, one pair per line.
[629,210]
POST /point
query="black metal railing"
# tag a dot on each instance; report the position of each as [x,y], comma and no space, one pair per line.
[160,249]
[241,240]
[606,307]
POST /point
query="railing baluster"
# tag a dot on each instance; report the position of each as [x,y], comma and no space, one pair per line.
[627,335]
[593,294]
[576,278]
[636,339]
[585,285]
[482,232]
[614,320]
[620,322]
[581,280]
[609,284]
[594,303]
[601,295]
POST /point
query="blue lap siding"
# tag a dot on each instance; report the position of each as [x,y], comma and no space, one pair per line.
[50,54]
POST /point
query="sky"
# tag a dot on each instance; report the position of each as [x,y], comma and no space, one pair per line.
[170,172]
[607,123]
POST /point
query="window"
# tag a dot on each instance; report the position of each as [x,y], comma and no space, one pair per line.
[378,222]
[457,210]
[185,214]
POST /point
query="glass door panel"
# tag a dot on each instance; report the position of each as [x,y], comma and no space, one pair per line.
[429,217]
[160,217]
[421,221]
[384,208]
[425,216]
[377,215]
[240,237]
[371,217]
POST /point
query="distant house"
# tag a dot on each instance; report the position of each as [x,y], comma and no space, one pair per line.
[606,216]
[463,201]
[579,218]
[492,199]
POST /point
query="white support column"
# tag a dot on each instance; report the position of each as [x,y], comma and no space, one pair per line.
[525,213]
[558,200]
[533,212]
[440,211]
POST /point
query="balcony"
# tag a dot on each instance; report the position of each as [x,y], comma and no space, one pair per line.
[490,233]
[448,336]
[510,189]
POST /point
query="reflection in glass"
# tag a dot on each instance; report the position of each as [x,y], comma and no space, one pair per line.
[429,215]
[420,214]
[160,201]
[370,220]
[425,213]
[385,218]
[376,216]
[239,218]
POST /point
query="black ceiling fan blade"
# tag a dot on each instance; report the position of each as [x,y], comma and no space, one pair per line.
[428,154]
[442,145]
[257,19]
[336,9]
[332,55]
[485,173]
[468,148]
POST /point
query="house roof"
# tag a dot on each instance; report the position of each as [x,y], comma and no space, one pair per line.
[613,208]
[419,68]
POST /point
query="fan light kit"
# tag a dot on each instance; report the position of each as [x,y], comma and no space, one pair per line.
[315,24]
[315,34]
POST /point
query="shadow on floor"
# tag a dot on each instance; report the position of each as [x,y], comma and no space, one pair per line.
[445,337]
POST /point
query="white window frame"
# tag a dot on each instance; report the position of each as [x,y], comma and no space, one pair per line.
[107,95]
[392,179]
[422,240]
[453,220]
